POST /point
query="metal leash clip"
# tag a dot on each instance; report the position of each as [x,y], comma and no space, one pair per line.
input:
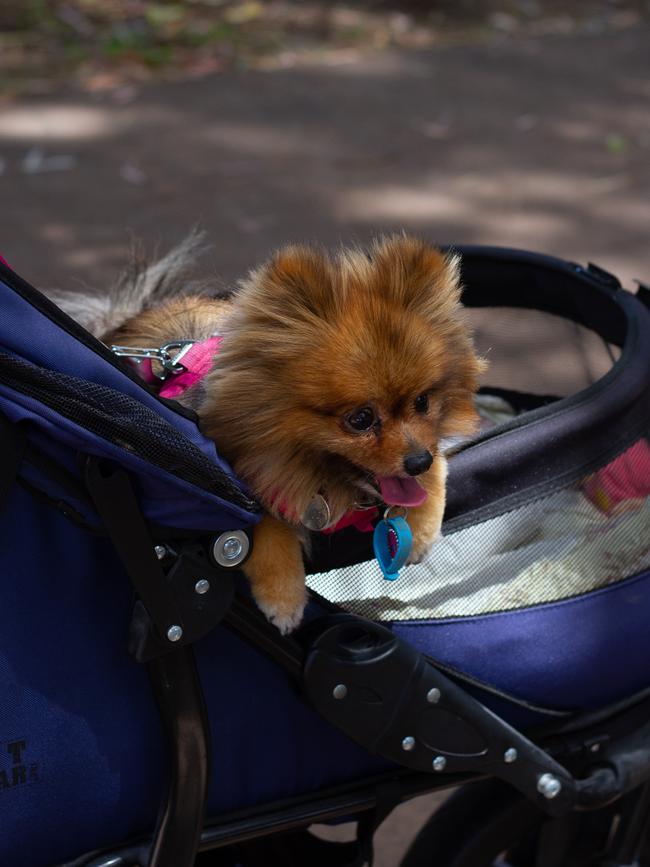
[168,356]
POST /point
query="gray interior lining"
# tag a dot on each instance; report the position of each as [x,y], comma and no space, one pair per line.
[555,548]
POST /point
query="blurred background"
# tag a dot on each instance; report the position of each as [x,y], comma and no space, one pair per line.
[522,123]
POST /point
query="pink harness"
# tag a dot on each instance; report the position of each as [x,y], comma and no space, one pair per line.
[196,363]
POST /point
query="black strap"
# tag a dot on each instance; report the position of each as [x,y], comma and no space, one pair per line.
[12,448]
[118,507]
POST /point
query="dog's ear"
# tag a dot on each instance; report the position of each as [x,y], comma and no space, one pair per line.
[415,275]
[297,281]
[460,414]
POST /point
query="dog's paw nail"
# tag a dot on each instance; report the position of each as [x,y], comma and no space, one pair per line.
[419,552]
[286,619]
[413,560]
[287,623]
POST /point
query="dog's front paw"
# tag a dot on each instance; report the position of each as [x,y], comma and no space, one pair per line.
[277,574]
[420,549]
[284,610]
[425,520]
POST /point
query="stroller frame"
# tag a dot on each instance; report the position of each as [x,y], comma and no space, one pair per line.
[587,762]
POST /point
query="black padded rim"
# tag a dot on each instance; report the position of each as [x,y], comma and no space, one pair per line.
[546,448]
[561,442]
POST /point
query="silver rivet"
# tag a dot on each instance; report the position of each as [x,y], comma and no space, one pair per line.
[232,548]
[340,691]
[549,786]
[174,633]
[160,551]
[408,743]
[439,763]
[433,696]
[594,748]
[202,586]
[510,755]
[229,549]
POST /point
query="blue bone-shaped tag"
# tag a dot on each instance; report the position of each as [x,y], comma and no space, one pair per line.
[392,541]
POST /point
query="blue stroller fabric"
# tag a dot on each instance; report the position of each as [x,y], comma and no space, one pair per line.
[82,761]
[582,652]
[51,352]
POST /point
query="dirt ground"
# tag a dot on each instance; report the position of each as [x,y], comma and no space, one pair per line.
[540,142]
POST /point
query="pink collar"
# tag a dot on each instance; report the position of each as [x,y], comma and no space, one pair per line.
[360,519]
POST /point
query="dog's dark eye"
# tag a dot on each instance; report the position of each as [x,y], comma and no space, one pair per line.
[422,403]
[362,419]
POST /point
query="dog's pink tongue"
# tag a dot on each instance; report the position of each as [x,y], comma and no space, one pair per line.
[401,491]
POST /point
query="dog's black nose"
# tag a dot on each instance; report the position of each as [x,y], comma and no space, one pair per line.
[418,462]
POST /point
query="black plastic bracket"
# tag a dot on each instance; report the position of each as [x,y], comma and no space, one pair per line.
[171,611]
[390,699]
[643,293]
[196,612]
[604,277]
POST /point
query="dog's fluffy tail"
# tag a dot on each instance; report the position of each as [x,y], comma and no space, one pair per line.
[142,285]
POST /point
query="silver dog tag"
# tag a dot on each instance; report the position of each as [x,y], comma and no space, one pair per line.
[317,514]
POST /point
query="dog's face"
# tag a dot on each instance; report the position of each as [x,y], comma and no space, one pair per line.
[354,366]
[382,385]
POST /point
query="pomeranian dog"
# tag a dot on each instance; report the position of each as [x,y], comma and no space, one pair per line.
[336,378]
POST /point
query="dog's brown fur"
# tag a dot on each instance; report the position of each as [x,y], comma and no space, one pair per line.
[308,339]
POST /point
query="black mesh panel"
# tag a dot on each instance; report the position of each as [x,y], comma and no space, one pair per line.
[124,422]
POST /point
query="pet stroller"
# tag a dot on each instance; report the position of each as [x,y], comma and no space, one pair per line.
[151,716]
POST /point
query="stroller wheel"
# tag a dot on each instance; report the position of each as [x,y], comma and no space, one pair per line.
[487,824]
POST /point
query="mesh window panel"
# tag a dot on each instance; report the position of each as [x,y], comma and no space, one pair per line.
[124,422]
[591,534]
[537,353]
